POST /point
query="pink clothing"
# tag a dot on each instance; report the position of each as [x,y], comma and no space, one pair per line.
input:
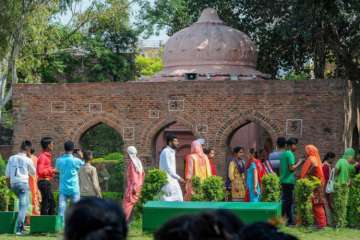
[135,181]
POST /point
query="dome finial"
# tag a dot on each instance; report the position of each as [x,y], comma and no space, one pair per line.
[209,15]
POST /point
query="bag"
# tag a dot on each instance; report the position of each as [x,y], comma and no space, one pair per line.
[331,182]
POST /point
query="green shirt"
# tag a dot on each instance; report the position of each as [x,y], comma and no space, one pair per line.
[287,159]
[344,168]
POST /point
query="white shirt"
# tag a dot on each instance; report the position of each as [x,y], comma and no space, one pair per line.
[168,163]
[19,167]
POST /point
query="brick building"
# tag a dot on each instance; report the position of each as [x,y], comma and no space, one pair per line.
[227,95]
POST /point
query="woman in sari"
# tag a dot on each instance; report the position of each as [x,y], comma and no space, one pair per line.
[313,167]
[34,190]
[252,177]
[135,180]
[196,165]
[236,175]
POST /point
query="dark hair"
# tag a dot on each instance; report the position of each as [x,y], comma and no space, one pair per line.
[219,224]
[329,155]
[216,225]
[281,142]
[170,138]
[32,151]
[25,145]
[95,219]
[208,150]
[88,155]
[45,142]
[252,151]
[180,228]
[69,146]
[237,149]
[76,152]
[292,141]
[264,231]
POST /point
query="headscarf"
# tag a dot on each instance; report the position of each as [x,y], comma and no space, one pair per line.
[131,150]
[313,160]
[313,154]
[349,153]
[196,148]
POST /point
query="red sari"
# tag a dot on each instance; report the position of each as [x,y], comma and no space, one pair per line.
[135,181]
[313,167]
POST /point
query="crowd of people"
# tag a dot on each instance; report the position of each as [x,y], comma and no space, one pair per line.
[107,221]
[30,176]
[246,169]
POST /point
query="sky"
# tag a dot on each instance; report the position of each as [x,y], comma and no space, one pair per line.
[83,4]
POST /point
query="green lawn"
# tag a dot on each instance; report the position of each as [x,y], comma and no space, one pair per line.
[301,233]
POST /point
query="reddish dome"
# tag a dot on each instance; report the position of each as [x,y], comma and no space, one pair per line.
[209,47]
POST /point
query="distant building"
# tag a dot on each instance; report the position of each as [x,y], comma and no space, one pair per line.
[151,48]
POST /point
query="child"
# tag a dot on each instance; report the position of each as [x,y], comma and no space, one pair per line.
[89,181]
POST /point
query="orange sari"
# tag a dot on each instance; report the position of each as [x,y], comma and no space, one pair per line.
[196,165]
[35,194]
[313,167]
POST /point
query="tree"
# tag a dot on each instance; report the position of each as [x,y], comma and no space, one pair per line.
[148,66]
[15,16]
[288,33]
[97,45]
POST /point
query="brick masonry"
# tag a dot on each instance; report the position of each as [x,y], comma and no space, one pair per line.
[313,109]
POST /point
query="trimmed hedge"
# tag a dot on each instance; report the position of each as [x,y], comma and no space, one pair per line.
[353,208]
[341,198]
[304,189]
[211,189]
[271,188]
[154,181]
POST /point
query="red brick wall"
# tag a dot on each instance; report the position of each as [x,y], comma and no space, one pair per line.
[213,110]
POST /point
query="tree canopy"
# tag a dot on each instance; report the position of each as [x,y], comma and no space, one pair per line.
[289,34]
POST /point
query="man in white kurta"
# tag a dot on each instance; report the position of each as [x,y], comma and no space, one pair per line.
[172,190]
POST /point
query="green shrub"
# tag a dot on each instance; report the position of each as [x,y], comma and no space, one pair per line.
[340,201]
[115,168]
[211,189]
[115,196]
[2,166]
[196,187]
[114,156]
[98,160]
[7,197]
[304,189]
[155,179]
[353,211]
[271,188]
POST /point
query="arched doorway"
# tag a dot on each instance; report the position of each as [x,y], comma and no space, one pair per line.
[102,140]
[250,135]
[356,139]
[185,137]
[107,147]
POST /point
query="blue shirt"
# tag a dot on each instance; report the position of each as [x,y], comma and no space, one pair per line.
[68,167]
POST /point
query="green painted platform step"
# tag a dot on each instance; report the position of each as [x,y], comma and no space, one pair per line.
[45,224]
[156,213]
[8,222]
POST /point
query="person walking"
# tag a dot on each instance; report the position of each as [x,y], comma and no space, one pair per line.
[18,169]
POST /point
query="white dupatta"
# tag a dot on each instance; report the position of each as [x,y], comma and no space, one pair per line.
[131,150]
